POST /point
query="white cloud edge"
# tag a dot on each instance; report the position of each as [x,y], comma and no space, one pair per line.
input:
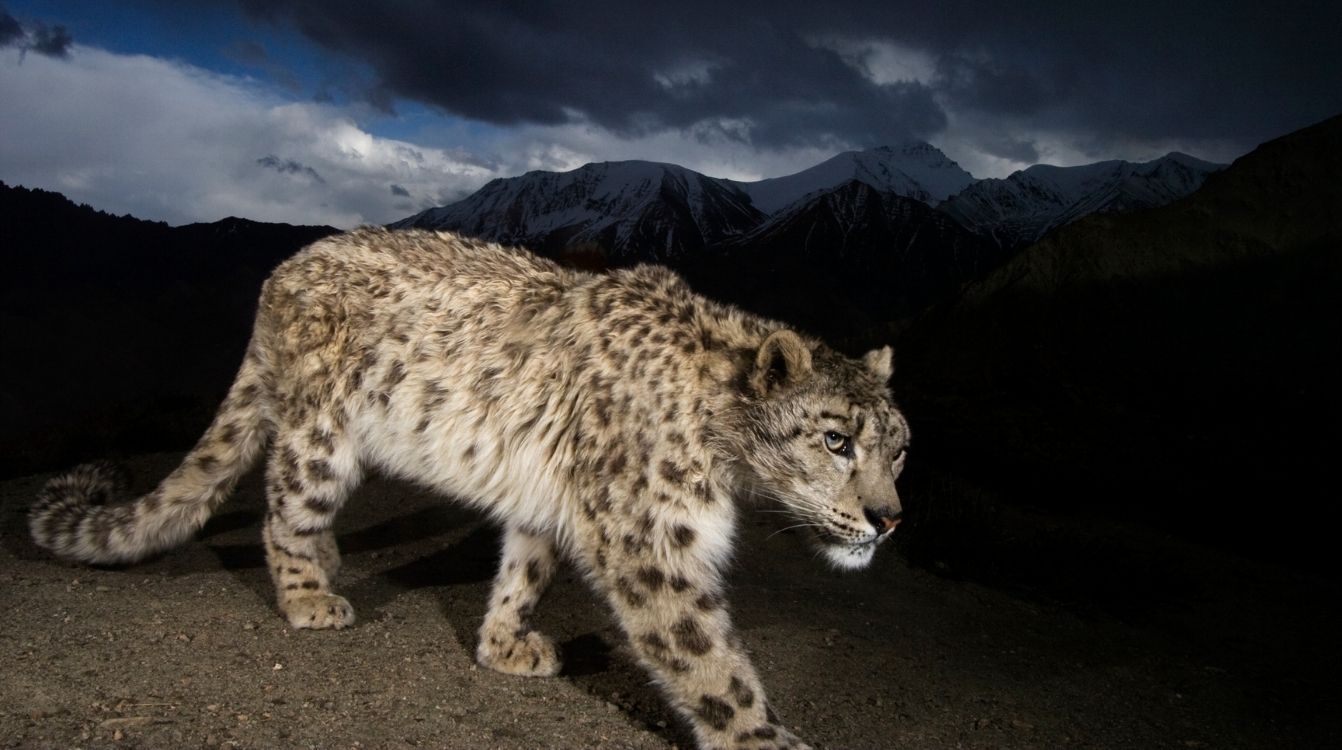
[169,141]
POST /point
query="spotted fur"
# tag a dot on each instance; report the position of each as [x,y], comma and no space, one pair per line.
[611,420]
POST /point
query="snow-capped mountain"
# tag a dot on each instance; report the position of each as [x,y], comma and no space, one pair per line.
[1021,208]
[623,211]
[913,170]
[849,215]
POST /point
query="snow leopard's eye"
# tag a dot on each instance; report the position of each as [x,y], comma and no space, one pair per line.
[897,462]
[838,443]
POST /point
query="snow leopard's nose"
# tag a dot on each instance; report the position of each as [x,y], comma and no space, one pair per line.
[884,520]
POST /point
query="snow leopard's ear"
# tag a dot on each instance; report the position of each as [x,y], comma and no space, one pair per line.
[880,362]
[782,361]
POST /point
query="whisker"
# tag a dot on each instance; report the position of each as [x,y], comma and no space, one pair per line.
[789,528]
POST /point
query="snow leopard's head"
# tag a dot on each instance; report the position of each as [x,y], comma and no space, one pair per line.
[821,435]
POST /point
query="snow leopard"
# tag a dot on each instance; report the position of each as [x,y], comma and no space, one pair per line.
[617,421]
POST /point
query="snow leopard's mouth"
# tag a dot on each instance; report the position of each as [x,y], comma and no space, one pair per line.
[850,555]
[832,538]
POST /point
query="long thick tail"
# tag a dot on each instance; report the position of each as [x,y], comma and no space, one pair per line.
[77,514]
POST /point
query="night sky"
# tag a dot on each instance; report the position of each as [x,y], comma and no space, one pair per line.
[342,112]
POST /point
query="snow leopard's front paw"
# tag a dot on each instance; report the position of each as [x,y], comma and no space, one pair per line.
[318,611]
[521,652]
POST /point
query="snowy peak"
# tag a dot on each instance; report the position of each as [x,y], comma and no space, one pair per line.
[1022,207]
[913,170]
[539,201]
[626,210]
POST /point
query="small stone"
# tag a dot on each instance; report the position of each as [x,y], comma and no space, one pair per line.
[125,721]
[42,707]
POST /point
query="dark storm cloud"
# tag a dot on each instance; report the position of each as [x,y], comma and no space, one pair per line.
[1132,70]
[10,30]
[1013,149]
[400,191]
[628,67]
[289,166]
[52,41]
[1214,70]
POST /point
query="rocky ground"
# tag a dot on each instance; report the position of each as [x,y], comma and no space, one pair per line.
[1193,649]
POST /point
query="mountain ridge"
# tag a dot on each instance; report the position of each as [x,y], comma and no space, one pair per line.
[1026,205]
[619,213]
[914,169]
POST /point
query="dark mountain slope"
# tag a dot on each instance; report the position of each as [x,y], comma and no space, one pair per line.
[1177,365]
[120,334]
[847,258]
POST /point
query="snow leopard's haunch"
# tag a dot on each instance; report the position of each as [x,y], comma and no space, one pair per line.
[614,421]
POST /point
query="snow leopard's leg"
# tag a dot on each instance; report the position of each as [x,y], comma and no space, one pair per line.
[507,641]
[310,473]
[674,613]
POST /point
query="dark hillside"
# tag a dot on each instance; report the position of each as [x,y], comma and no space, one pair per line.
[844,260]
[1177,366]
[119,334]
